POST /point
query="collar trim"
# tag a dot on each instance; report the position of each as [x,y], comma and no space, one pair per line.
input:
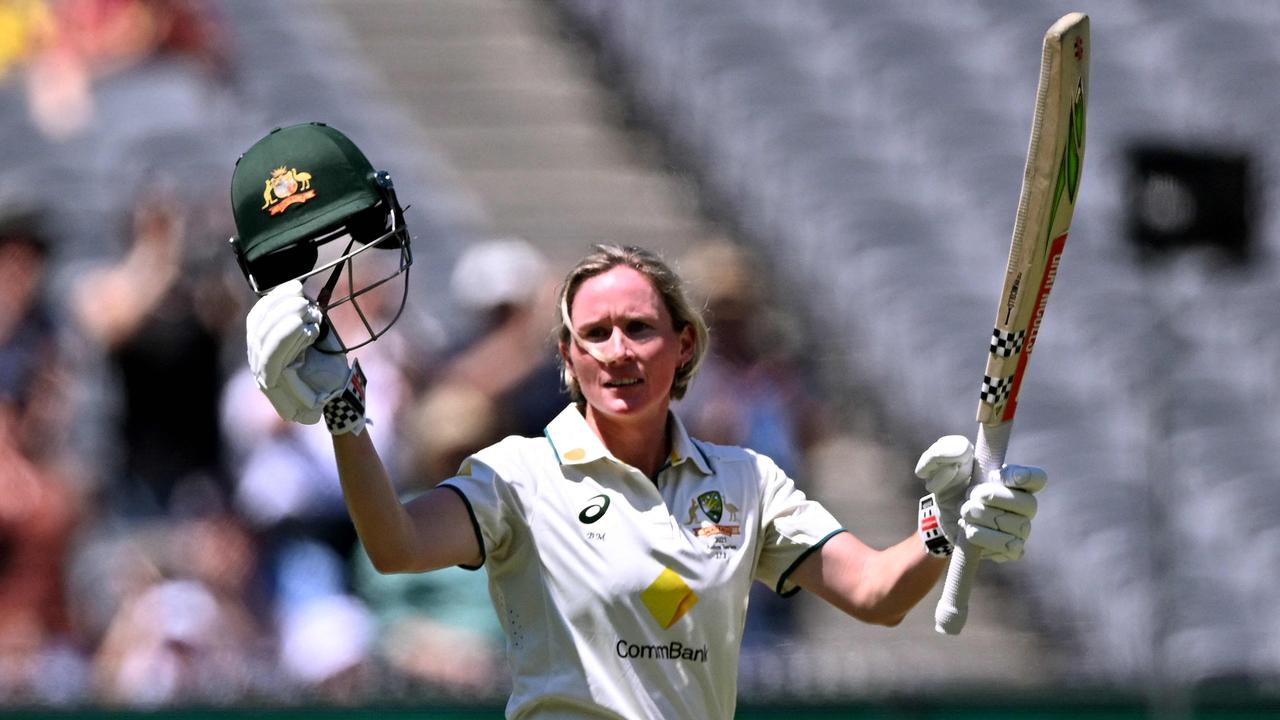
[574,443]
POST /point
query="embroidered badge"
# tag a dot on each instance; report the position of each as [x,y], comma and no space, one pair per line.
[713,507]
[286,187]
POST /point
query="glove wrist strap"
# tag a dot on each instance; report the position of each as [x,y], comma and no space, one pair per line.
[345,412]
[930,528]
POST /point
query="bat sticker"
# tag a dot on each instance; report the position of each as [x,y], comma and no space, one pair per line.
[1006,344]
[995,390]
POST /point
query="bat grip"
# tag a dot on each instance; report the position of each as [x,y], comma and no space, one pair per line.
[953,607]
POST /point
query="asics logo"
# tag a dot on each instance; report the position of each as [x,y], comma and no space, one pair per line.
[595,510]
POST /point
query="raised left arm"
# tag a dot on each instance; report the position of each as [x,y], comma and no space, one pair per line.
[875,586]
[881,586]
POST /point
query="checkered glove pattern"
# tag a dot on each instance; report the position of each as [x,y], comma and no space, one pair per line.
[345,412]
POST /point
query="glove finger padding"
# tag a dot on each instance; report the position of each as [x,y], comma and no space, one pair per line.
[997,518]
[947,464]
[283,344]
[278,328]
[1018,526]
[1025,477]
[991,495]
[995,545]
[299,367]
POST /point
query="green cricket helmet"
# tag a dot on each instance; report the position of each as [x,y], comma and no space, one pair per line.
[310,207]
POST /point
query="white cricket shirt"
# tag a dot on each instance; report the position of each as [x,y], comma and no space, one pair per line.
[623,596]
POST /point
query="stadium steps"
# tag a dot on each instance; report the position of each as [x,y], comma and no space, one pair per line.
[514,110]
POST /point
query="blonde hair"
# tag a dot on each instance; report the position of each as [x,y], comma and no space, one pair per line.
[604,258]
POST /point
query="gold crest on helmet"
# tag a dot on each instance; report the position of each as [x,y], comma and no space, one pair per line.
[285,187]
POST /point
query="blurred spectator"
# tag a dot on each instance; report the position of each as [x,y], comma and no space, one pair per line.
[161,313]
[439,628]
[32,390]
[443,428]
[24,26]
[40,504]
[750,391]
[38,513]
[168,605]
[71,44]
[324,649]
[175,642]
[505,287]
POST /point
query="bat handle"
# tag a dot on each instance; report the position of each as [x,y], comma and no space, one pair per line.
[953,607]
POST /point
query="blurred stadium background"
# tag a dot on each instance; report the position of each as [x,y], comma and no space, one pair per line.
[837,176]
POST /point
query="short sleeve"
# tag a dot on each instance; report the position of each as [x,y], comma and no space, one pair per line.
[484,483]
[792,527]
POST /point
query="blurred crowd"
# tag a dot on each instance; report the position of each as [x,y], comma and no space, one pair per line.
[164,538]
[209,559]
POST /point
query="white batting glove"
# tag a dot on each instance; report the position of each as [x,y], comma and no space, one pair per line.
[997,517]
[302,383]
[280,326]
[945,468]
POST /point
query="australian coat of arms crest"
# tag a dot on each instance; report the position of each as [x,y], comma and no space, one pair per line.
[286,187]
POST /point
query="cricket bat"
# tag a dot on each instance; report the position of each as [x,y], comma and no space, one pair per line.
[1050,184]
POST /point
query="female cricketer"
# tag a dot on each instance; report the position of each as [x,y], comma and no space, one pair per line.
[619,549]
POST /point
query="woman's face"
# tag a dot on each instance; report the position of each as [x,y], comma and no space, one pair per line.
[629,350]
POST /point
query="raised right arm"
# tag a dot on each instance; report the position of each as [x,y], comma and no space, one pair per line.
[429,532]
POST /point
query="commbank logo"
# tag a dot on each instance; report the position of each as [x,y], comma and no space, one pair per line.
[595,510]
[674,650]
[668,598]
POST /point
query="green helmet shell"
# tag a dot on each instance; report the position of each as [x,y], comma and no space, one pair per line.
[295,183]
